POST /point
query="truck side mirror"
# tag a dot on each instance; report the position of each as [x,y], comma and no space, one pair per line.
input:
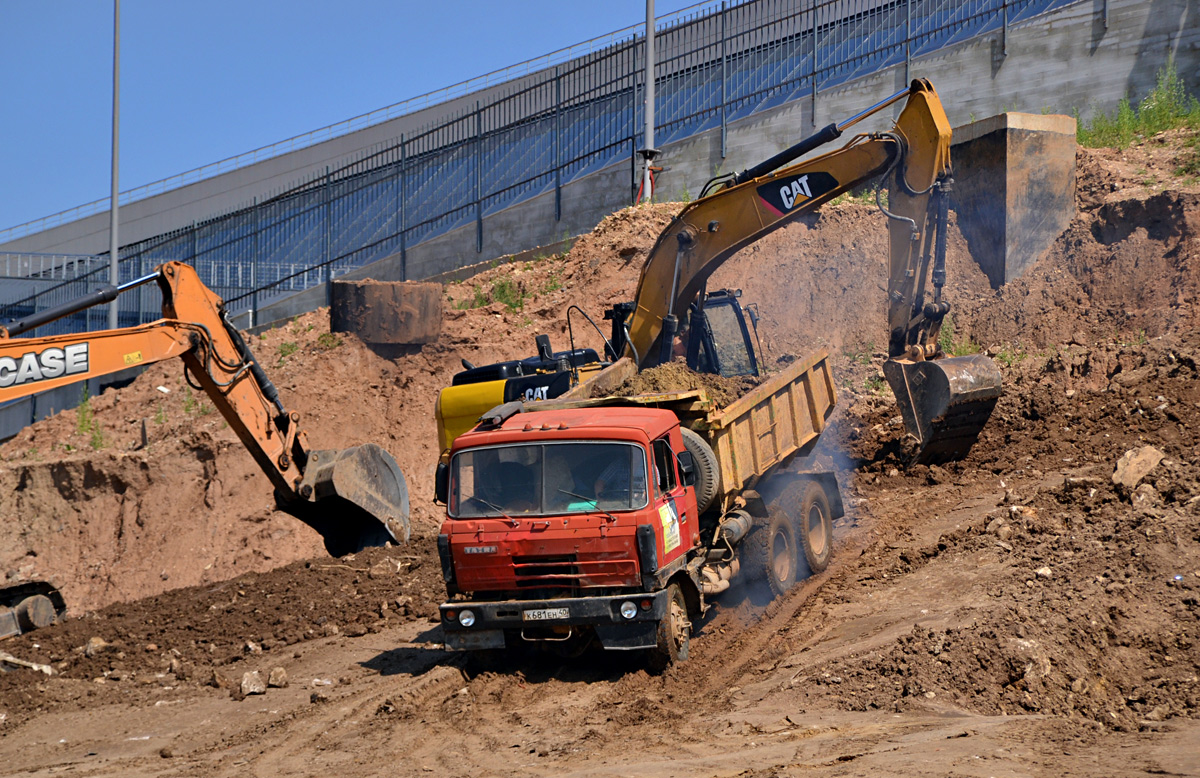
[441,483]
[687,466]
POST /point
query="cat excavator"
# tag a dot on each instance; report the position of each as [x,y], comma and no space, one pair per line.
[355,497]
[944,401]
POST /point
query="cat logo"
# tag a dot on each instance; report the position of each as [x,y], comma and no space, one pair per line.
[783,195]
[34,366]
[536,393]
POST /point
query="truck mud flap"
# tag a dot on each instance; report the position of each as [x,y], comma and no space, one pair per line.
[628,637]
[944,402]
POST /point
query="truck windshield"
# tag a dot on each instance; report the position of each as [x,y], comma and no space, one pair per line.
[547,479]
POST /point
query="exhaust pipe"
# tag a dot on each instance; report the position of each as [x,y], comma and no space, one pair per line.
[355,498]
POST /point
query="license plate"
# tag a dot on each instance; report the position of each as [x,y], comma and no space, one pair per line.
[544,614]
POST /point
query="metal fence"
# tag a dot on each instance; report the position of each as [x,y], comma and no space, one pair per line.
[716,63]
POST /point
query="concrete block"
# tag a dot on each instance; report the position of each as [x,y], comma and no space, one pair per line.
[387,312]
[1014,188]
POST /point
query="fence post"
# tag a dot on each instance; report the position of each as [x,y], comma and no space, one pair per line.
[813,51]
[907,42]
[401,182]
[633,123]
[724,79]
[557,146]
[254,267]
[478,179]
[328,263]
[1004,33]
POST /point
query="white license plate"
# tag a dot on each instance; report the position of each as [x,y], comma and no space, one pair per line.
[544,614]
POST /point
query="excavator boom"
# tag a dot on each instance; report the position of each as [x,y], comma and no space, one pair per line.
[944,400]
[354,498]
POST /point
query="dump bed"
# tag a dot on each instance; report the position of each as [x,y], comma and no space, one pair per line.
[779,418]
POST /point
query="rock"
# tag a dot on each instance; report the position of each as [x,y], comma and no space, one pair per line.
[1146,496]
[1135,465]
[354,630]
[252,648]
[151,647]
[994,526]
[329,629]
[938,475]
[278,678]
[318,697]
[252,683]
[385,568]
[1043,572]
[1079,686]
[1005,532]
[95,646]
[220,682]
[166,753]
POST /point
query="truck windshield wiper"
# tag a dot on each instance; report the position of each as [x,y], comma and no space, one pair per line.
[499,510]
[595,504]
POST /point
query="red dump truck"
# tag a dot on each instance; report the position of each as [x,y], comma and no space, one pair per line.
[616,519]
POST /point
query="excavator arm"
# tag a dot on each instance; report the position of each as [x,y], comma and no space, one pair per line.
[944,401]
[354,498]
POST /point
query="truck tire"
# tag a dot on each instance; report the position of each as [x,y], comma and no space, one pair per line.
[771,552]
[808,506]
[674,632]
[708,472]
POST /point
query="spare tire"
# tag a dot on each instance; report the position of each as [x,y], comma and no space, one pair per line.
[708,472]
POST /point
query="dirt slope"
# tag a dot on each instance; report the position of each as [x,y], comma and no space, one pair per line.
[1016,613]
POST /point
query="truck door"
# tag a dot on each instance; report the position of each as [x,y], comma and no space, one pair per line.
[677,515]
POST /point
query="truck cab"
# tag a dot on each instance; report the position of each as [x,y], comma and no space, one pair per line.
[566,525]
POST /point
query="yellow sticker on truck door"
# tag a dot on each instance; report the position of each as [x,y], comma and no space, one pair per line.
[670,524]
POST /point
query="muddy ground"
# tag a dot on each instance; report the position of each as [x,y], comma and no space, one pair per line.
[1017,613]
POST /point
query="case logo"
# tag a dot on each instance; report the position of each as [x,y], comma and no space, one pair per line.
[34,366]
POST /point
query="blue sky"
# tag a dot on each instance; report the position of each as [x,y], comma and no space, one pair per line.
[202,81]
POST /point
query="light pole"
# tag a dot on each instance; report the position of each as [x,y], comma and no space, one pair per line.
[113,257]
[648,152]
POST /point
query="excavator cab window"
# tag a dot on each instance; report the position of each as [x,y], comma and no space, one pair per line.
[719,341]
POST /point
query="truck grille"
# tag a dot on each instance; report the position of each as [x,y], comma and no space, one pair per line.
[567,570]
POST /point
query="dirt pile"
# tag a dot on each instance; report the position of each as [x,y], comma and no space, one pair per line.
[677,377]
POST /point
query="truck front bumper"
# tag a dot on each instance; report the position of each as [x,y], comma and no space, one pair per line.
[558,619]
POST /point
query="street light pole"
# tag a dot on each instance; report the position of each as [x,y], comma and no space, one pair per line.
[113,257]
[648,152]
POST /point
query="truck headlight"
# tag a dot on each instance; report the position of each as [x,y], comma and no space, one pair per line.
[466,617]
[628,609]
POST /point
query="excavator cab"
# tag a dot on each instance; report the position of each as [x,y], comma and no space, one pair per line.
[718,338]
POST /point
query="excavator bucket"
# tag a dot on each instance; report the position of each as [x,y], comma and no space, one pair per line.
[355,498]
[944,402]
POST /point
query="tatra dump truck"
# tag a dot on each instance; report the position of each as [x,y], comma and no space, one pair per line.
[574,514]
[609,518]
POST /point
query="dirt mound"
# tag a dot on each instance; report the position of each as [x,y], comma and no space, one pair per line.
[178,639]
[1126,268]
[1088,606]
[677,377]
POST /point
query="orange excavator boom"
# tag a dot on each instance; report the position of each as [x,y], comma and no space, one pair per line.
[354,498]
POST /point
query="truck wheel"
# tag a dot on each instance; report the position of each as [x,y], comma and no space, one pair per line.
[674,632]
[772,552]
[708,472]
[35,612]
[814,523]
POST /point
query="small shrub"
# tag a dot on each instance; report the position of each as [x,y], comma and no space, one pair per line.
[328,341]
[286,349]
[160,415]
[1167,107]
[510,293]
[189,402]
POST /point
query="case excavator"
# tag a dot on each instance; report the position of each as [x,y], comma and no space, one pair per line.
[355,497]
[944,401]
